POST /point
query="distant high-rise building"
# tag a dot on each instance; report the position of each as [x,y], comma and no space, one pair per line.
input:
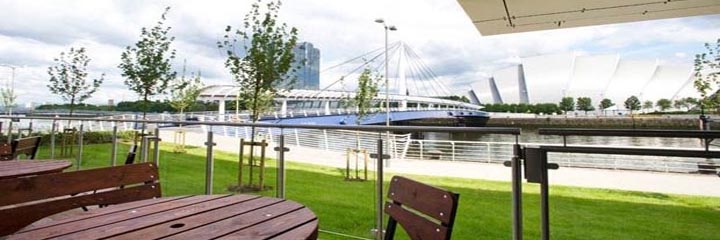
[308,72]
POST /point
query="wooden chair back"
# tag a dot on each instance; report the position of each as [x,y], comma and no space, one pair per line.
[28,199]
[6,152]
[25,146]
[424,211]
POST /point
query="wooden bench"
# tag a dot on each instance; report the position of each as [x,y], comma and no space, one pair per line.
[28,199]
[25,146]
[424,211]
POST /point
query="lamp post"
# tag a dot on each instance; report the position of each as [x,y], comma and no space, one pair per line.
[387,84]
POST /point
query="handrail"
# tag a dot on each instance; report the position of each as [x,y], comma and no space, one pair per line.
[486,130]
[630,133]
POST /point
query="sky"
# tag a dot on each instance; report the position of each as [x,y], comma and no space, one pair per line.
[32,33]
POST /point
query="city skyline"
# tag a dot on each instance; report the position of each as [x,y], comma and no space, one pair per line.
[447,41]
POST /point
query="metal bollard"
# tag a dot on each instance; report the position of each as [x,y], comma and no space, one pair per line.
[52,139]
[113,148]
[80,147]
[209,163]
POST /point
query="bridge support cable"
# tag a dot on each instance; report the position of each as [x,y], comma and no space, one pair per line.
[430,72]
[365,63]
[425,77]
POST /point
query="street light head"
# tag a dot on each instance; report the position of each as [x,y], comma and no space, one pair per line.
[379,20]
[392,28]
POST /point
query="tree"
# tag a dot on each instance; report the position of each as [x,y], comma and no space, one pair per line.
[706,72]
[367,89]
[146,65]
[267,57]
[265,62]
[647,104]
[567,104]
[605,104]
[8,97]
[585,104]
[679,103]
[68,77]
[632,103]
[663,104]
[691,103]
[185,91]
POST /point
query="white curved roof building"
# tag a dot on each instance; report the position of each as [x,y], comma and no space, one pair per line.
[549,78]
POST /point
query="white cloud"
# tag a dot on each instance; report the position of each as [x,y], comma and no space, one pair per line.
[33,32]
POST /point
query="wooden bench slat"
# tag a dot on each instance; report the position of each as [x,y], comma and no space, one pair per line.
[416,226]
[239,222]
[144,221]
[275,226]
[429,200]
[98,212]
[27,214]
[309,230]
[198,220]
[19,190]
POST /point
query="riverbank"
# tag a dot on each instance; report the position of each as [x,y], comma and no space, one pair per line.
[637,122]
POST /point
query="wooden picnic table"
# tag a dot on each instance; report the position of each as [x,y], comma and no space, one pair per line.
[20,168]
[187,217]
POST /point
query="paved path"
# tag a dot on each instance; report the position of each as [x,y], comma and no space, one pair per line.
[690,184]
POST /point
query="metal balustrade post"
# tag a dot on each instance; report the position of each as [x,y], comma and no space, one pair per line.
[156,145]
[281,149]
[113,148]
[379,191]
[9,137]
[209,158]
[52,139]
[517,192]
[80,146]
[144,146]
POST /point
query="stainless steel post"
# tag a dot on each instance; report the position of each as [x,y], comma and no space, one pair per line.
[281,166]
[144,145]
[209,163]
[113,148]
[9,138]
[156,145]
[516,193]
[52,139]
[379,191]
[80,147]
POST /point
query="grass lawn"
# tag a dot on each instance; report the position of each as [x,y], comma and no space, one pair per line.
[484,211]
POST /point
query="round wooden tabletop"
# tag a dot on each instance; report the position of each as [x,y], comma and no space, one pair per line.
[20,168]
[187,217]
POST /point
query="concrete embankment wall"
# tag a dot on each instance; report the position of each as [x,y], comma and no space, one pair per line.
[640,122]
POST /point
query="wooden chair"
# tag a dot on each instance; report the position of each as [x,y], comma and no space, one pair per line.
[26,200]
[25,146]
[424,211]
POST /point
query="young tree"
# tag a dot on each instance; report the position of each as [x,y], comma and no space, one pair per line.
[367,89]
[68,77]
[706,72]
[605,104]
[632,103]
[691,103]
[585,104]
[663,104]
[8,97]
[146,65]
[265,61]
[567,104]
[266,58]
[185,91]
[647,105]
